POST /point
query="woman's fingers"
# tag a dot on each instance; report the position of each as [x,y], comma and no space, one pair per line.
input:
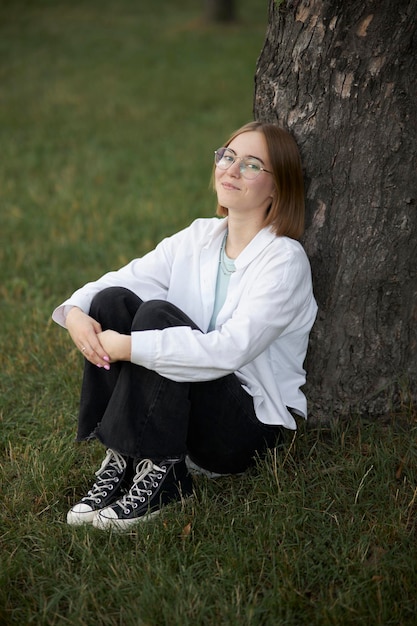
[84,333]
[93,351]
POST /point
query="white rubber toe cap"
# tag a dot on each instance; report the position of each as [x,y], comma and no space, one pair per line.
[81,513]
[107,519]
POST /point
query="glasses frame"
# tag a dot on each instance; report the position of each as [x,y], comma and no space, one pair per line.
[242,162]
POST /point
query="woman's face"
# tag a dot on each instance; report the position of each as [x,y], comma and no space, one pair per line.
[237,193]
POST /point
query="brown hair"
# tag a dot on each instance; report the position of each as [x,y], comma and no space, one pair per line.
[286,212]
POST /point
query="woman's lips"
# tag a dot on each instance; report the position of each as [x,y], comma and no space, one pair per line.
[230,187]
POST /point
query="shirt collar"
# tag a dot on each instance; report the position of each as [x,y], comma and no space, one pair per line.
[261,240]
[255,247]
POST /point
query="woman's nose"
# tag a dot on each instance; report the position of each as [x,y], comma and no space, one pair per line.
[234,169]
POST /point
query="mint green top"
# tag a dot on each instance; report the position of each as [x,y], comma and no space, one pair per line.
[226,269]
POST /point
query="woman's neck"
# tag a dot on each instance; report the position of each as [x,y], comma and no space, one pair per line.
[239,236]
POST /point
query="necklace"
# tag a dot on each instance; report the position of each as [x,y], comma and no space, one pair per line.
[227,265]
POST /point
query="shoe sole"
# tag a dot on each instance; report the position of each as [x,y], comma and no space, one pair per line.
[196,470]
[121,526]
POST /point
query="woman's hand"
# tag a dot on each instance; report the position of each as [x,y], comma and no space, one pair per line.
[116,345]
[85,332]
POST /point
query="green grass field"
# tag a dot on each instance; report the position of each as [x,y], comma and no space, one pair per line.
[109,116]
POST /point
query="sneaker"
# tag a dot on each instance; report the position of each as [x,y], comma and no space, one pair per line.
[195,469]
[153,487]
[110,483]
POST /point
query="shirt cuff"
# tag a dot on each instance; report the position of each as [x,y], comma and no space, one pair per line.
[144,347]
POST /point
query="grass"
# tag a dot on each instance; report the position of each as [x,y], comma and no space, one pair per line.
[109,114]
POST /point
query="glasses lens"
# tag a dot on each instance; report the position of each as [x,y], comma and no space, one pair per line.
[250,167]
[224,158]
[218,154]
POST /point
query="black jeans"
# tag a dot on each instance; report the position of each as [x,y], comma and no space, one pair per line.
[142,414]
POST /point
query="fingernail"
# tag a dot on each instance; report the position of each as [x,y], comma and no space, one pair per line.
[99,365]
[105,358]
[107,367]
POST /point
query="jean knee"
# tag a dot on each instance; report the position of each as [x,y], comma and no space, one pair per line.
[106,297]
[152,315]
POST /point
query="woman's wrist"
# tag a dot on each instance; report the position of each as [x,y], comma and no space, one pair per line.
[69,309]
[126,347]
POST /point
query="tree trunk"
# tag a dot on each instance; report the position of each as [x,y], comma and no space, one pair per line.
[341,77]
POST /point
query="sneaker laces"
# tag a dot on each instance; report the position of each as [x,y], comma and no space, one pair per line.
[146,477]
[112,465]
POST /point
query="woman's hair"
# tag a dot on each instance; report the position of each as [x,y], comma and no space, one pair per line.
[286,213]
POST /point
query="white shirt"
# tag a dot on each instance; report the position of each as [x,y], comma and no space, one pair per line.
[262,329]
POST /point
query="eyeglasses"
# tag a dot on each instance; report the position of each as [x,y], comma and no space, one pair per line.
[250,167]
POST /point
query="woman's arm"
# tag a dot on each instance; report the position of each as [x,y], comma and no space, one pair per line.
[276,300]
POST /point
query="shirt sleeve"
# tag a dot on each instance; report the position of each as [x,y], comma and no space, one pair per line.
[276,302]
[148,277]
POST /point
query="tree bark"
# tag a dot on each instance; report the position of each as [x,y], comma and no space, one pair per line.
[341,77]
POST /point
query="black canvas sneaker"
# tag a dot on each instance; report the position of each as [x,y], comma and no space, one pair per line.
[195,469]
[153,487]
[111,483]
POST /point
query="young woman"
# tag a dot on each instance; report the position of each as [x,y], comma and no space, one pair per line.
[194,353]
